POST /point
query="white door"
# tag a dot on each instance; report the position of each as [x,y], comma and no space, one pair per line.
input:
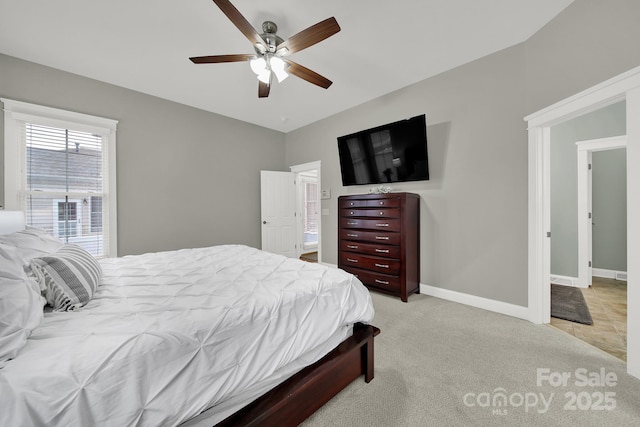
[585,222]
[278,208]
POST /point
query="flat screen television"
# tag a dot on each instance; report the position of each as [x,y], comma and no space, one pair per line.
[395,152]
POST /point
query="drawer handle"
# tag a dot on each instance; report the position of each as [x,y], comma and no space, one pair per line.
[381,212]
[351,212]
[352,246]
[382,265]
[352,260]
[382,282]
[351,203]
[383,251]
[382,224]
[351,223]
[382,237]
[352,235]
[381,203]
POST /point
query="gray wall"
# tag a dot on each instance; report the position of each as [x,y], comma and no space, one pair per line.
[606,122]
[474,208]
[186,177]
[610,210]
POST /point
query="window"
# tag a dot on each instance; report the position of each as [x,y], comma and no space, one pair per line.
[60,170]
[67,220]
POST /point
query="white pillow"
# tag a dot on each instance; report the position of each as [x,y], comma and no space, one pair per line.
[21,305]
[68,277]
[31,243]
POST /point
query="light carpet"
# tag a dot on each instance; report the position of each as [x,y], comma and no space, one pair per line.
[440,363]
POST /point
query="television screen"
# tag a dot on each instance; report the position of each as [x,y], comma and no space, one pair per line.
[395,152]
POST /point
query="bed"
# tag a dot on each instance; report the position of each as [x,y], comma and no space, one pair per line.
[225,335]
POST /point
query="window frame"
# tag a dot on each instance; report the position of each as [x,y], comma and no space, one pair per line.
[15,155]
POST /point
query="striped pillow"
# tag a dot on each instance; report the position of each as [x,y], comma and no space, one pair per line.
[68,277]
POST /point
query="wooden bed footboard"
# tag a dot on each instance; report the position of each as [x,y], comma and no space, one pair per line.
[297,398]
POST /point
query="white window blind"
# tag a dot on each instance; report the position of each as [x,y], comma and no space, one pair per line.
[63,183]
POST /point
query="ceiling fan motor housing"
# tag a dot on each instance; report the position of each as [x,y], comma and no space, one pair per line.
[271,39]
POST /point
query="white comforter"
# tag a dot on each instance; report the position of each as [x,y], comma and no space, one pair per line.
[170,334]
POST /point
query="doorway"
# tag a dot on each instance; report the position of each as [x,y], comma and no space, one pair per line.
[609,231]
[625,86]
[308,224]
[290,205]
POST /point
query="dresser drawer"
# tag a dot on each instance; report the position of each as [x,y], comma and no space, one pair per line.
[370,236]
[371,213]
[384,224]
[382,281]
[374,203]
[370,249]
[380,265]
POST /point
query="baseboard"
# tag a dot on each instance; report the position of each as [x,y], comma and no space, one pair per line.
[505,308]
[564,280]
[609,274]
[500,307]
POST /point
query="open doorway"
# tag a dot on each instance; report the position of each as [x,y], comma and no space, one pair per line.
[307,183]
[308,223]
[588,228]
[625,86]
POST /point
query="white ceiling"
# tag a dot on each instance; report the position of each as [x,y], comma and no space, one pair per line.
[383,46]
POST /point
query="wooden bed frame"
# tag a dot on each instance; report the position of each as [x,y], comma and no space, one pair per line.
[297,398]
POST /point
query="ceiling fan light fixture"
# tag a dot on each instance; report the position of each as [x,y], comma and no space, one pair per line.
[265,76]
[278,66]
[258,65]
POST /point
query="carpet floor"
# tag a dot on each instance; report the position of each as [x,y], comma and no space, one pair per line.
[440,363]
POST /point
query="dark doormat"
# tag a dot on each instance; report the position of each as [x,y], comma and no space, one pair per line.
[567,302]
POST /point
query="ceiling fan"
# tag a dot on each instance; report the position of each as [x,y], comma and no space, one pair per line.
[271,50]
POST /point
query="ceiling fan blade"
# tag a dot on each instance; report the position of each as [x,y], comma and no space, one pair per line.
[312,35]
[215,59]
[263,89]
[240,22]
[306,74]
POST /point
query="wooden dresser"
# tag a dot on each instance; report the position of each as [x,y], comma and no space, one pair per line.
[379,241]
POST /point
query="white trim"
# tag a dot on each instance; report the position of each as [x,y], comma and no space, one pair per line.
[15,111]
[596,97]
[57,117]
[505,308]
[633,231]
[566,281]
[625,86]
[585,149]
[610,274]
[602,144]
[539,226]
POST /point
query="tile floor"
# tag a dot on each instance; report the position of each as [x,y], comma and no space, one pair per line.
[607,301]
